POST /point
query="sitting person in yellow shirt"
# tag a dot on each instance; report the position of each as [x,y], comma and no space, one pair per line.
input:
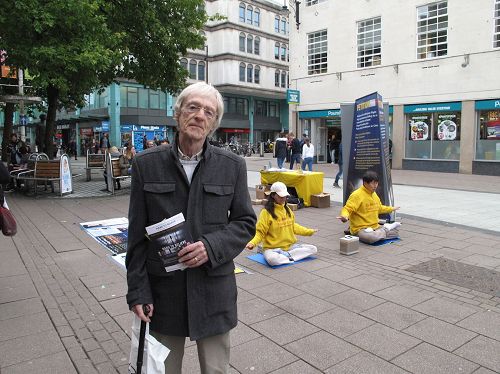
[362,210]
[276,230]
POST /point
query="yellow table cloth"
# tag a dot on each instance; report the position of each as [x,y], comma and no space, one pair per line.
[306,184]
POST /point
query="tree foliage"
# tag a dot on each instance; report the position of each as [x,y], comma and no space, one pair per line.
[71,47]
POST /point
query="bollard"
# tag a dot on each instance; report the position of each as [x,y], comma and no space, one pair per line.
[261,149]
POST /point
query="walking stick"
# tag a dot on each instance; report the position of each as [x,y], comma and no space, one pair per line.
[142,336]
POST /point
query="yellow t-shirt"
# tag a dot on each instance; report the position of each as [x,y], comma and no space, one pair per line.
[279,232]
[363,208]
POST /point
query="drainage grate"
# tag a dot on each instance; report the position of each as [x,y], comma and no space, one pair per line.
[460,274]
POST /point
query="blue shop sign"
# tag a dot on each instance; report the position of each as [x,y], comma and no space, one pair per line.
[105,126]
[488,104]
[148,127]
[293,96]
[435,107]
[320,113]
[126,128]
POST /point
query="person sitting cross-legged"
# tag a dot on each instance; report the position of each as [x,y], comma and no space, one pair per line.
[276,229]
[362,210]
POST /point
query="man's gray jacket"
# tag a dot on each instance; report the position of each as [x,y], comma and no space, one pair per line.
[197,302]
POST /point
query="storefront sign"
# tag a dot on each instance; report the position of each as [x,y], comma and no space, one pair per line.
[369,148]
[105,126]
[147,128]
[86,131]
[63,127]
[419,127]
[240,131]
[436,107]
[293,96]
[488,104]
[320,113]
[126,128]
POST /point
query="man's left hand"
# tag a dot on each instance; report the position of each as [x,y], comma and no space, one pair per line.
[193,255]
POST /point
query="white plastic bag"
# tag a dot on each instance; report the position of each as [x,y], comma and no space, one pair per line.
[155,353]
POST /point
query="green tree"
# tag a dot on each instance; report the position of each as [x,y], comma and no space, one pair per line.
[71,47]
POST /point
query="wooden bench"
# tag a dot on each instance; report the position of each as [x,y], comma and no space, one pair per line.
[93,161]
[116,174]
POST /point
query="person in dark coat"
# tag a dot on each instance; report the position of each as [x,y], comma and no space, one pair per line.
[4,180]
[280,149]
[208,185]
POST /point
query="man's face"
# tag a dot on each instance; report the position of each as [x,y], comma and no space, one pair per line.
[372,186]
[198,116]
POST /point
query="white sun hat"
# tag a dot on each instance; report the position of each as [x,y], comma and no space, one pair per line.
[280,189]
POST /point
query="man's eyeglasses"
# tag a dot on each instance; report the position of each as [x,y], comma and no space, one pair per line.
[192,108]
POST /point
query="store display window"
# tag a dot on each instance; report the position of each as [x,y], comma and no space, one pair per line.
[433,136]
[488,136]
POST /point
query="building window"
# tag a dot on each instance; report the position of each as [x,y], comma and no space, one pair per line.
[314,2]
[242,72]
[277,51]
[277,78]
[283,52]
[256,74]
[277,24]
[283,26]
[184,63]
[143,98]
[496,34]
[201,71]
[249,73]
[256,17]
[432,30]
[260,108]
[250,44]
[369,42]
[242,42]
[317,52]
[283,79]
[192,69]
[132,97]
[249,15]
[274,109]
[433,136]
[488,137]
[154,99]
[242,12]
[256,46]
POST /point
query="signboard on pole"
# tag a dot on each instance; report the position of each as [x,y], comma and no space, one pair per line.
[369,148]
[293,96]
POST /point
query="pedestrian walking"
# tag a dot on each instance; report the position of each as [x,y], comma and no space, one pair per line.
[296,150]
[340,162]
[307,154]
[208,185]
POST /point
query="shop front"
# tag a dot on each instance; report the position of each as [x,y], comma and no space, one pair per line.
[433,137]
[136,133]
[487,150]
[227,135]
[320,126]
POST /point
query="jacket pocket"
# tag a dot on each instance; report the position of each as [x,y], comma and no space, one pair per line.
[159,187]
[217,200]
[160,200]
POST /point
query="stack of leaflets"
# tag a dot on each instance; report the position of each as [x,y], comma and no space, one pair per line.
[168,237]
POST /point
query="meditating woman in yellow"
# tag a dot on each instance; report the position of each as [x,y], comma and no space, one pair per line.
[276,230]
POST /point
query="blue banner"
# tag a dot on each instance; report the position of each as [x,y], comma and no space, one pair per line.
[369,148]
[435,107]
[488,104]
[293,96]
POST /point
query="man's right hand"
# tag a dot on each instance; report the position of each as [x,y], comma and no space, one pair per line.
[342,219]
[137,309]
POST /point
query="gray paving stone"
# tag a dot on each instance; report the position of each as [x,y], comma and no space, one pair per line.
[305,306]
[365,363]
[484,371]
[486,323]
[29,347]
[322,288]
[245,295]
[322,349]
[109,290]
[259,356]
[355,301]
[16,288]
[121,322]
[297,367]
[393,315]
[427,359]
[337,273]
[367,283]
[257,310]
[445,309]
[382,341]
[284,328]
[24,325]
[405,295]
[20,308]
[11,264]
[106,368]
[278,292]
[98,356]
[85,366]
[251,281]
[483,351]
[439,333]
[58,363]
[115,306]
[294,277]
[242,334]
[340,322]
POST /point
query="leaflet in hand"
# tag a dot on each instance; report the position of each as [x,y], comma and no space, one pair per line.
[168,237]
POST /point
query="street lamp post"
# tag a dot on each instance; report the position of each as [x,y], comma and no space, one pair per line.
[206,63]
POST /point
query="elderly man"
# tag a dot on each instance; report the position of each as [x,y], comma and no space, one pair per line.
[362,209]
[209,186]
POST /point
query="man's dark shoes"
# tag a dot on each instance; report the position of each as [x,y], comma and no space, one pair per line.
[336,185]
